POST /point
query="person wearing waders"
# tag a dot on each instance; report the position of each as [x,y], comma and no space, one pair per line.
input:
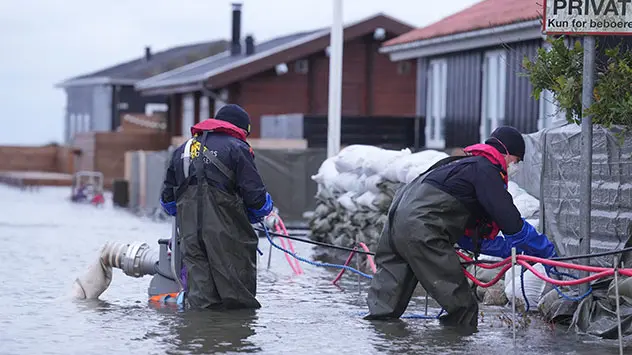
[213,188]
[460,200]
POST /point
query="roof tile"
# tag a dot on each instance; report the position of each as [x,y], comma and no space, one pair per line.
[485,14]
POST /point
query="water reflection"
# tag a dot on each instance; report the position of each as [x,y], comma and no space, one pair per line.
[208,332]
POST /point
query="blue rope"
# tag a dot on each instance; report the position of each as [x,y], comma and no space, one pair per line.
[554,271]
[314,263]
[338,266]
[524,294]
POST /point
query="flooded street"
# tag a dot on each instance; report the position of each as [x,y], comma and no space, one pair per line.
[48,241]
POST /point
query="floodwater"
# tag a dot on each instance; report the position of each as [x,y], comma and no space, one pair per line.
[46,242]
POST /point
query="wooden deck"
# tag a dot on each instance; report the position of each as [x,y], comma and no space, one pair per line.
[35,178]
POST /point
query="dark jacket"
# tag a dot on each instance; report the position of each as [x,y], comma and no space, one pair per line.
[227,142]
[480,183]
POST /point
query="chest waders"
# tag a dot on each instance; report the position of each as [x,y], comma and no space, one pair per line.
[416,246]
[217,244]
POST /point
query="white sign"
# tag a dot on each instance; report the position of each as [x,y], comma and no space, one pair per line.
[593,17]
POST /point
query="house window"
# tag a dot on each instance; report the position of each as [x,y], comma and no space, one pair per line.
[188,114]
[436,99]
[550,112]
[301,66]
[204,108]
[494,86]
[71,126]
[403,68]
[86,123]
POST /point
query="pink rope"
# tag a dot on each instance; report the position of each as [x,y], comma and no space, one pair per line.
[368,257]
[287,256]
[296,263]
[342,271]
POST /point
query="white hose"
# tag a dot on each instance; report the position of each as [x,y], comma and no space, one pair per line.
[135,259]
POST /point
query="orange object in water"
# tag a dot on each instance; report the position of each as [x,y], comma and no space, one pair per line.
[164,298]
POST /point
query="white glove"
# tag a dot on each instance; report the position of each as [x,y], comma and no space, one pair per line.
[271,220]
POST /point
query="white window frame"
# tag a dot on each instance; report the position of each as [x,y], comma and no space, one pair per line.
[204,108]
[436,103]
[188,114]
[550,111]
[86,123]
[73,125]
[494,83]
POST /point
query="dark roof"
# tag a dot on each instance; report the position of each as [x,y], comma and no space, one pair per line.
[190,72]
[160,62]
[484,14]
[223,69]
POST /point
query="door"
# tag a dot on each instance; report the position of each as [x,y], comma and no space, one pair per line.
[436,100]
[494,87]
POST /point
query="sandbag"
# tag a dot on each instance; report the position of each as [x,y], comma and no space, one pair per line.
[533,285]
[377,161]
[327,173]
[528,205]
[350,159]
[398,169]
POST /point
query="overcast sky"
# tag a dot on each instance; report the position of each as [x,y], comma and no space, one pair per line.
[43,42]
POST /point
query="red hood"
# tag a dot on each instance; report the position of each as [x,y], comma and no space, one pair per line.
[489,152]
[214,125]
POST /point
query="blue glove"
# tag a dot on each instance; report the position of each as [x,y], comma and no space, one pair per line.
[531,242]
[499,246]
[170,208]
[257,215]
[527,241]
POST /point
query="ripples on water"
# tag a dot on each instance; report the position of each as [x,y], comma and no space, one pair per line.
[45,242]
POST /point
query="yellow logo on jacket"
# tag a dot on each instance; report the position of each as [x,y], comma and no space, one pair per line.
[195,149]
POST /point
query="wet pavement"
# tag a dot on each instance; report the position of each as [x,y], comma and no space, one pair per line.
[46,242]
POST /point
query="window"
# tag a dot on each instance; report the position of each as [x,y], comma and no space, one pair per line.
[301,66]
[494,87]
[188,114]
[436,99]
[204,108]
[550,112]
[86,123]
[71,126]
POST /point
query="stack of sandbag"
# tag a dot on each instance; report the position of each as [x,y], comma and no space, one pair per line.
[356,188]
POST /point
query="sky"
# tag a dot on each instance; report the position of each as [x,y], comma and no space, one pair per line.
[43,42]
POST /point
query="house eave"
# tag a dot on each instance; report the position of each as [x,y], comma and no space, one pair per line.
[488,37]
[101,80]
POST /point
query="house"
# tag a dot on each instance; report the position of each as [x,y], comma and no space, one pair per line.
[289,74]
[469,71]
[96,102]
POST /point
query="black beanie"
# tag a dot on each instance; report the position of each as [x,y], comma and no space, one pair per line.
[507,140]
[236,115]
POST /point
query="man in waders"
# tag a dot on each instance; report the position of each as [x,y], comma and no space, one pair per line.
[460,200]
[213,188]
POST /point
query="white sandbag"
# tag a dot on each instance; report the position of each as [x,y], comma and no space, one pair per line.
[346,182]
[351,158]
[371,183]
[327,173]
[346,201]
[378,161]
[366,200]
[526,204]
[533,286]
[398,170]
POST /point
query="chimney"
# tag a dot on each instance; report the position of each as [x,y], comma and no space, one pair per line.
[235,46]
[250,45]
[147,54]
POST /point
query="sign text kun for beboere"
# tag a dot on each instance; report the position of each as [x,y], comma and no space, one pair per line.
[588,16]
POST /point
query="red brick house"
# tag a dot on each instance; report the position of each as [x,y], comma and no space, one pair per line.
[289,74]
